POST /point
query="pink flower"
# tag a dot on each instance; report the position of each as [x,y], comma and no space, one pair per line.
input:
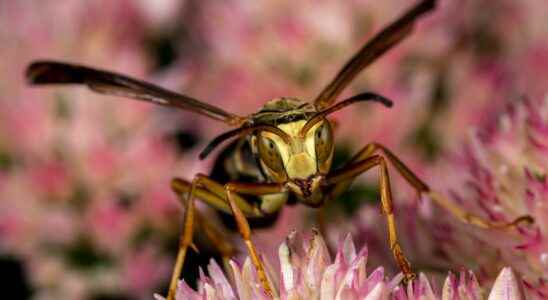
[502,175]
[310,273]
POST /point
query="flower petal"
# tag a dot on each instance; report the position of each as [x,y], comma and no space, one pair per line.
[506,286]
[377,293]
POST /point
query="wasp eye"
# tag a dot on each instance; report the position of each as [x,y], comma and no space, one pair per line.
[270,154]
[324,142]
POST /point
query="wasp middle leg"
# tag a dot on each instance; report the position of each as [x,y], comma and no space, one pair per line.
[421,187]
[369,150]
[366,159]
[438,198]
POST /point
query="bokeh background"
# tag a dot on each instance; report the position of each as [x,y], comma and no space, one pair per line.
[85,206]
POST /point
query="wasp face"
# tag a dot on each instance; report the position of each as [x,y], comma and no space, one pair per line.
[301,160]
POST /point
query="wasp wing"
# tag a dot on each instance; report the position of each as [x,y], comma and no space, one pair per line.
[105,82]
[373,49]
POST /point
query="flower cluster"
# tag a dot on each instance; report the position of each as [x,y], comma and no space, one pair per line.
[502,176]
[310,273]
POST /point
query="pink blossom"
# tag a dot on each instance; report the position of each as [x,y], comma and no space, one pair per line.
[310,273]
[502,176]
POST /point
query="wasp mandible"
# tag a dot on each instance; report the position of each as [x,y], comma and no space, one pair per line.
[284,150]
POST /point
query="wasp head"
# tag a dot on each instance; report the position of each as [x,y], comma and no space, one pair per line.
[300,157]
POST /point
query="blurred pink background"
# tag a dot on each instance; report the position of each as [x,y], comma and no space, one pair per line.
[85,206]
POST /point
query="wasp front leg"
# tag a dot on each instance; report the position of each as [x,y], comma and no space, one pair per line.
[256,189]
[227,199]
[349,173]
[187,193]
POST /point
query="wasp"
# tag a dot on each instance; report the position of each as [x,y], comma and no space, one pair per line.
[282,152]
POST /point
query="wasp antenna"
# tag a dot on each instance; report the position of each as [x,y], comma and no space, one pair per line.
[220,139]
[366,96]
[241,131]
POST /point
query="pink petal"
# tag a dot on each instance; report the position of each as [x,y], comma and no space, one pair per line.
[329,287]
[506,287]
[449,291]
[399,294]
[472,286]
[159,297]
[318,260]
[288,276]
[349,249]
[219,280]
[378,292]
[242,287]
[374,278]
[185,292]
[424,289]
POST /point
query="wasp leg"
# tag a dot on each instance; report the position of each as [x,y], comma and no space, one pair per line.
[226,198]
[348,173]
[243,226]
[438,198]
[469,218]
[213,234]
[404,171]
[185,240]
[214,195]
[209,196]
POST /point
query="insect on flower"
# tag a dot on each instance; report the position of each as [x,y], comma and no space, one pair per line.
[282,152]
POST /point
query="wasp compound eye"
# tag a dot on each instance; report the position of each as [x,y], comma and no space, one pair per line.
[323,142]
[270,154]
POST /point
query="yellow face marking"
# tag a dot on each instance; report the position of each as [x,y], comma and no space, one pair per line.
[299,158]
